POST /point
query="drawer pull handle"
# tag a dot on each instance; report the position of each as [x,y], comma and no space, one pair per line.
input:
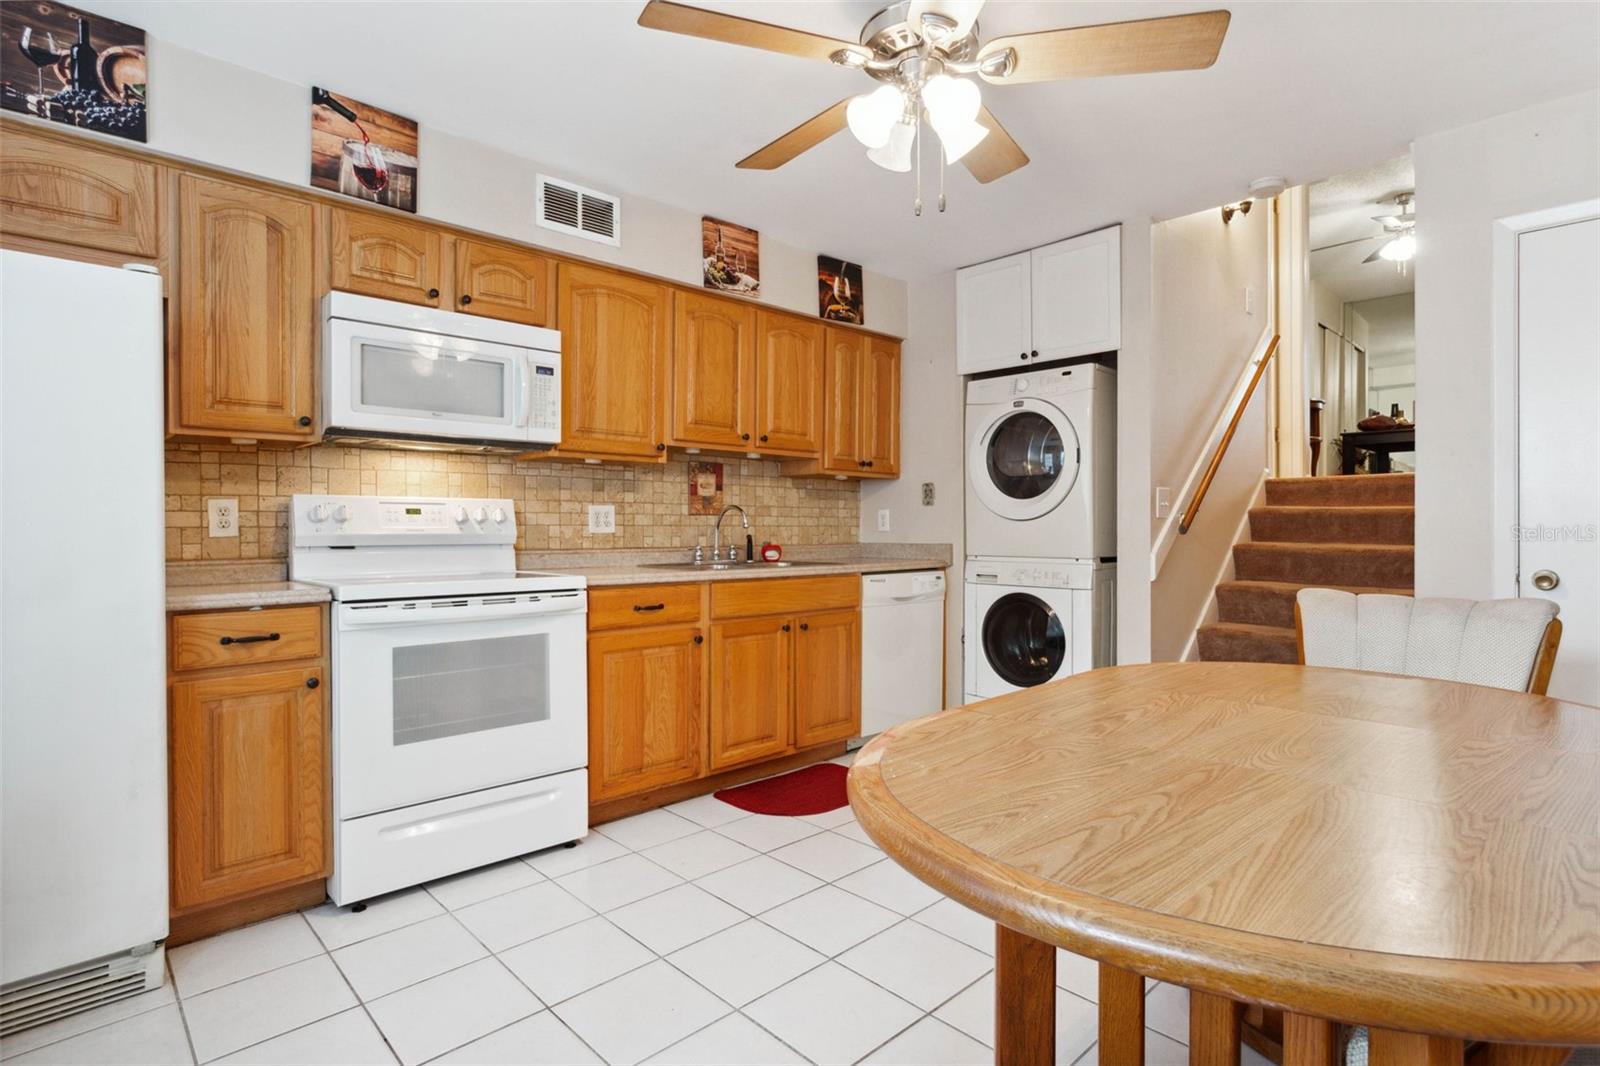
[644,607]
[258,638]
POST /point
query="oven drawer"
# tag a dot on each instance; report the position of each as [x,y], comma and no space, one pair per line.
[244,638]
[644,605]
[396,849]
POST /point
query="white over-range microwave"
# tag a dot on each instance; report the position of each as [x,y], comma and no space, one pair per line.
[393,372]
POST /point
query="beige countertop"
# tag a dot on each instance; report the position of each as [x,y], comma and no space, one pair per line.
[219,585]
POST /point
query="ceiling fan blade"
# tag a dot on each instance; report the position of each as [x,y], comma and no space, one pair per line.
[716,26]
[804,137]
[1144,46]
[1374,257]
[997,154]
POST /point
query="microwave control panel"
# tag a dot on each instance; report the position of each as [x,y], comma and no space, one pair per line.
[545,397]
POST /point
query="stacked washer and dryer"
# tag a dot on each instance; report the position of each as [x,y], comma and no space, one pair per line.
[1041,527]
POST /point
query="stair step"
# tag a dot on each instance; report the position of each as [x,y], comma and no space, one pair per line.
[1335,525]
[1271,603]
[1359,490]
[1365,565]
[1236,642]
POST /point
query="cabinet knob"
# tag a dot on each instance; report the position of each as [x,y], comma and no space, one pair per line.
[433,294]
[699,639]
[804,626]
[304,420]
[763,438]
[661,447]
[1035,354]
[312,682]
[746,436]
[1024,357]
[786,627]
[465,299]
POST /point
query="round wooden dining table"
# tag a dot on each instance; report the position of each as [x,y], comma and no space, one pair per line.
[1416,856]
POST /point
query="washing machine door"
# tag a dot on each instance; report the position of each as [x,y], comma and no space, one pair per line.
[1023,460]
[1024,640]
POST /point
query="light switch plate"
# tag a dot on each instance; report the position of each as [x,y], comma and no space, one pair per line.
[222,517]
[602,518]
[1163,501]
[883,520]
[927,494]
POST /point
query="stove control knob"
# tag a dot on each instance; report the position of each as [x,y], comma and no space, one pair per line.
[318,513]
[479,515]
[499,514]
[341,513]
[461,516]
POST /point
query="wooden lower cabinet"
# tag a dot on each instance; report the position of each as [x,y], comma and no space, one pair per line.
[646,709]
[827,677]
[750,698]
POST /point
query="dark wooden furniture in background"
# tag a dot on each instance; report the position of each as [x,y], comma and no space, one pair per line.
[1380,442]
[1316,433]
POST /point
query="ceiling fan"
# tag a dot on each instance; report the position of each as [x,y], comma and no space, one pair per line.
[1400,231]
[925,52]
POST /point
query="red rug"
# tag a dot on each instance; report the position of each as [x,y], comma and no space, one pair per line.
[812,790]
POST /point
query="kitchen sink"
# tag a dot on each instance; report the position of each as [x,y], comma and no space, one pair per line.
[755,566]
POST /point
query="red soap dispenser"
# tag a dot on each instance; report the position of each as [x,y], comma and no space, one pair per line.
[771,553]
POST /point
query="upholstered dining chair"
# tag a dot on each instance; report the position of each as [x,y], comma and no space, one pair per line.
[1507,644]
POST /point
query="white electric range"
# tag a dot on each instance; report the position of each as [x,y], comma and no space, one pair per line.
[460,688]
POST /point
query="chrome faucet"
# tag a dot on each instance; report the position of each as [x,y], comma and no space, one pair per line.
[716,530]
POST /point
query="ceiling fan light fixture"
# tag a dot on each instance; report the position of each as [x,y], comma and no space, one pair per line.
[960,138]
[895,153]
[872,116]
[1400,250]
[953,105]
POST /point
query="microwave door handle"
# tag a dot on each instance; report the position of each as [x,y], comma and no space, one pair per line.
[524,390]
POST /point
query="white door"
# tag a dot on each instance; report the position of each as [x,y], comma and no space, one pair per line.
[1558,397]
[1077,304]
[993,302]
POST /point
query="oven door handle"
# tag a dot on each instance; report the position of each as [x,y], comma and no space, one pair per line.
[444,612]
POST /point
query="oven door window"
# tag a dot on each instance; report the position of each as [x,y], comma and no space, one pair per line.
[433,381]
[470,686]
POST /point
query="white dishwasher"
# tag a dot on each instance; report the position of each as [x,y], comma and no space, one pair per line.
[902,647]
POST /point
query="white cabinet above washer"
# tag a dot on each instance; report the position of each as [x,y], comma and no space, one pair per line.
[1054,302]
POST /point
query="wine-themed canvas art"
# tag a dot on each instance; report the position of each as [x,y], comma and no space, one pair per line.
[73,67]
[363,151]
[705,488]
[840,297]
[731,255]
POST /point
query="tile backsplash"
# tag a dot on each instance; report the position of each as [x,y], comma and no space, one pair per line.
[551,496]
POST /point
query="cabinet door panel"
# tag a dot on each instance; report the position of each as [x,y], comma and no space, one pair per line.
[1077,303]
[788,384]
[827,677]
[496,281]
[841,431]
[646,709]
[994,314]
[880,408]
[391,258]
[713,371]
[247,310]
[77,196]
[248,780]
[750,690]
[616,333]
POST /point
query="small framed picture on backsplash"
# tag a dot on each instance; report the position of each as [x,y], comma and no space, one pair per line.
[363,151]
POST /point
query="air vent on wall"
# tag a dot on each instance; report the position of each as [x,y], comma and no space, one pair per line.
[569,208]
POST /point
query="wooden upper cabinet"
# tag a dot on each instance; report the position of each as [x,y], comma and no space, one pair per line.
[846,352]
[788,418]
[498,281]
[247,314]
[713,371]
[393,258]
[750,690]
[880,408]
[827,677]
[616,334]
[75,195]
[646,709]
[249,800]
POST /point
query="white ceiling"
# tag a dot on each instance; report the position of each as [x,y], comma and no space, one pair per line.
[1342,209]
[1301,90]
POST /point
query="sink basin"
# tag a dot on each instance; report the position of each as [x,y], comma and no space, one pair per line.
[728,566]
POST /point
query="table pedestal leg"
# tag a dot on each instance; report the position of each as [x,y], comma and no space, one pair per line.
[1121,1017]
[1309,1041]
[1213,1030]
[1389,1048]
[1024,1000]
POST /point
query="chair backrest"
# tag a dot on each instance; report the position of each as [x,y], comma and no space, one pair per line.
[1507,644]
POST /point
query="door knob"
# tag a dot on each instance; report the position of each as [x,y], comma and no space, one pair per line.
[1545,580]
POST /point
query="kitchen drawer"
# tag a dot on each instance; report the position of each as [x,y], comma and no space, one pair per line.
[243,638]
[644,605]
[744,599]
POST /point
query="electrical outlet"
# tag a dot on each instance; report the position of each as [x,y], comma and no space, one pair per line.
[1163,501]
[602,518]
[222,518]
[927,494]
[883,520]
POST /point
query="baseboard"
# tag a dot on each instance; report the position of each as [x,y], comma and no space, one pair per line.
[198,924]
[611,810]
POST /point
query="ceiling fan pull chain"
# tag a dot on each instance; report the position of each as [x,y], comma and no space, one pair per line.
[941,177]
[916,144]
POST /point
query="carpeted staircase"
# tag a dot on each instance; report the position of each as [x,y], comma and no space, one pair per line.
[1352,533]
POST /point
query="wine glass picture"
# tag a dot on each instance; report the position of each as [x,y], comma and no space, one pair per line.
[81,69]
[839,295]
[363,151]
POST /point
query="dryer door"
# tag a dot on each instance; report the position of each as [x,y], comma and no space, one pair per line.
[1023,460]
[1024,640]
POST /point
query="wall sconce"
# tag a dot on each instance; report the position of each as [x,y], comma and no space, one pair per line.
[1240,208]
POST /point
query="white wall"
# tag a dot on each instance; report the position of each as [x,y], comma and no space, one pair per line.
[932,448]
[1135,418]
[1541,157]
[231,117]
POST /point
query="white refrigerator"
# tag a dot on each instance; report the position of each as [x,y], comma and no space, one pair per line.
[83,759]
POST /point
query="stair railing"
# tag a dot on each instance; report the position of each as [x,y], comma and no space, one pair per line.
[1199,497]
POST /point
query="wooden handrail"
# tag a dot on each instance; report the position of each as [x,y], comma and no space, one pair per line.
[1227,438]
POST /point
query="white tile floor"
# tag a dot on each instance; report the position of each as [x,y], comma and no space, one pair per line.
[695,934]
